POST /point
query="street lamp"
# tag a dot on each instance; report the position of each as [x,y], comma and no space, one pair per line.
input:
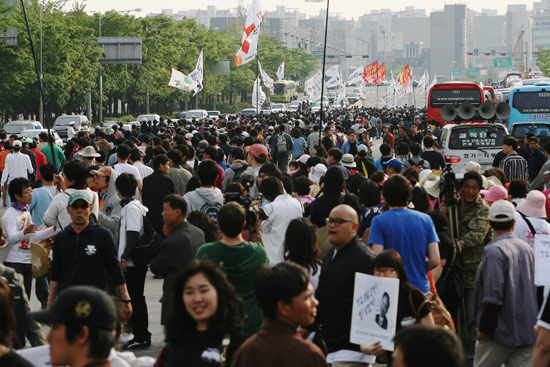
[323,74]
[100,66]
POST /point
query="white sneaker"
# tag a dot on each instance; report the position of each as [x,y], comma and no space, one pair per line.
[125,337]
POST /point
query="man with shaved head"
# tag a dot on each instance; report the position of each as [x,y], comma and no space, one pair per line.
[336,284]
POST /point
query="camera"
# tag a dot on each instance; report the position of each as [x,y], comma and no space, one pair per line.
[246,202]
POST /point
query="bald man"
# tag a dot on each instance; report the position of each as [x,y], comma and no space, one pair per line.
[336,284]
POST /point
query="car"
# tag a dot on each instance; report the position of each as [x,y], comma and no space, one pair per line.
[278,108]
[294,106]
[214,115]
[16,127]
[540,129]
[461,143]
[109,123]
[266,110]
[353,97]
[181,115]
[148,117]
[62,122]
[33,134]
[198,115]
[248,112]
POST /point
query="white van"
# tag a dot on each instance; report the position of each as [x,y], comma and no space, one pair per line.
[461,143]
[16,127]
[199,115]
[61,124]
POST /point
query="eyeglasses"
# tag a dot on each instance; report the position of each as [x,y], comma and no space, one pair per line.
[78,205]
[387,271]
[337,221]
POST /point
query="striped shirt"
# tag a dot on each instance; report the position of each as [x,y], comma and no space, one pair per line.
[515,167]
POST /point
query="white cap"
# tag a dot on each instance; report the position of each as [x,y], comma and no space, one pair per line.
[502,211]
[17,144]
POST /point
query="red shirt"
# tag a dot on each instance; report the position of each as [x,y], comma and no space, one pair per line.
[40,160]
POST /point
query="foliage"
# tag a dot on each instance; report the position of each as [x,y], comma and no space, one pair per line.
[71,68]
[543,61]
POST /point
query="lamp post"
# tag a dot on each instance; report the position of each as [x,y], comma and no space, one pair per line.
[100,66]
[323,75]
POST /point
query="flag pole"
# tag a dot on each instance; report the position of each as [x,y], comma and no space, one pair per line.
[377,95]
[259,84]
[414,96]
[323,74]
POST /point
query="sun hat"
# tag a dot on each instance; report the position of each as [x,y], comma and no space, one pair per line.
[89,152]
[533,205]
[348,161]
[317,172]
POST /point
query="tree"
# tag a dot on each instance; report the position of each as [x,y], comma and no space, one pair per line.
[543,61]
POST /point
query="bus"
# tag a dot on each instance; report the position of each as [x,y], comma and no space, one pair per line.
[284,91]
[454,93]
[530,104]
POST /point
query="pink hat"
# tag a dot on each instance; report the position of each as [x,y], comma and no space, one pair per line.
[495,193]
[533,205]
[257,150]
[303,158]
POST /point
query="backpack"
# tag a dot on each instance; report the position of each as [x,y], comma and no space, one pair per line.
[417,166]
[340,141]
[147,246]
[238,173]
[19,309]
[281,143]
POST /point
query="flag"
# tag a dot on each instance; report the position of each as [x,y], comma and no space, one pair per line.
[333,71]
[370,73]
[356,76]
[334,81]
[249,47]
[281,72]
[313,84]
[268,82]
[380,73]
[423,82]
[258,95]
[197,75]
[405,76]
[434,82]
[181,81]
[341,94]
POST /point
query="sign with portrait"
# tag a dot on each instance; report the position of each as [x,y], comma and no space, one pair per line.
[374,314]
[542,259]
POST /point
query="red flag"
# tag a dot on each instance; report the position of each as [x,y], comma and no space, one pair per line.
[381,73]
[405,76]
[370,72]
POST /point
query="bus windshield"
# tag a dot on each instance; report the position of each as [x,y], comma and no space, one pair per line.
[532,102]
[476,137]
[279,88]
[441,97]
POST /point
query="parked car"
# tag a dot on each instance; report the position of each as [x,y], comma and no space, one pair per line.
[181,115]
[148,117]
[214,115]
[278,108]
[248,112]
[196,114]
[61,124]
[294,105]
[33,134]
[16,127]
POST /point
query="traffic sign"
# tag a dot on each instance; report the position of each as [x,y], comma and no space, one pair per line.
[476,51]
[502,62]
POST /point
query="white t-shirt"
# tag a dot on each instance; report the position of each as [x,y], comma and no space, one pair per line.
[17,165]
[127,168]
[131,219]
[522,231]
[57,211]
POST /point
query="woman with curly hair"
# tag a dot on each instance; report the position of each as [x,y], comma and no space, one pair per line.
[205,321]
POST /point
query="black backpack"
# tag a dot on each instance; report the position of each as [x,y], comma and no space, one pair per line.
[19,308]
[147,247]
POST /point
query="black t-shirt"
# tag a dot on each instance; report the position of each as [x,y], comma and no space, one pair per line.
[12,359]
[450,283]
[435,159]
[201,349]
[405,312]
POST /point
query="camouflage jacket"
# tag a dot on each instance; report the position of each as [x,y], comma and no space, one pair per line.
[474,234]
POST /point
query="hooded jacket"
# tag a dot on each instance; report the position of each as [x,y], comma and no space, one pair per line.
[208,200]
[231,172]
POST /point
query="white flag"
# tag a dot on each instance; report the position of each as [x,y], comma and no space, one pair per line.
[356,76]
[341,94]
[434,82]
[333,71]
[181,81]
[268,82]
[281,72]
[422,82]
[313,85]
[258,95]
[197,75]
[249,47]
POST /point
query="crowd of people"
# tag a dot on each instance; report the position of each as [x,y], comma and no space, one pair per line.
[257,226]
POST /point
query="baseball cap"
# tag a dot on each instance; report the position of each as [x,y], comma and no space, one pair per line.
[80,195]
[26,140]
[362,148]
[203,144]
[188,136]
[17,144]
[501,211]
[257,150]
[303,158]
[394,162]
[103,171]
[83,305]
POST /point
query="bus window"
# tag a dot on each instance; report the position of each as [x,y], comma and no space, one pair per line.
[441,97]
[476,137]
[532,102]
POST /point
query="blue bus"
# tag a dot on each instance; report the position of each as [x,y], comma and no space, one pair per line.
[530,104]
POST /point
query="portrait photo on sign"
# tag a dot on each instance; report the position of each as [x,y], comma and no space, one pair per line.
[374,313]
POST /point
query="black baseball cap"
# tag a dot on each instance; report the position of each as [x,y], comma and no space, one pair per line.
[83,305]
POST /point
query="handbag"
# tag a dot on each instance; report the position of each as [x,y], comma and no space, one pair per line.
[147,247]
[441,316]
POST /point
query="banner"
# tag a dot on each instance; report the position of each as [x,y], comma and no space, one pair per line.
[341,94]
[268,82]
[249,48]
[374,313]
[405,76]
[356,76]
[313,84]
[281,72]
[258,95]
[380,73]
[181,81]
[197,75]
[333,82]
[333,71]
[542,259]
[370,73]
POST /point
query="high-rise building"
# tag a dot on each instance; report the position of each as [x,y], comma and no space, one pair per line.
[448,39]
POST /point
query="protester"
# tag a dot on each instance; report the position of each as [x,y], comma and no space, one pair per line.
[207,197]
[205,323]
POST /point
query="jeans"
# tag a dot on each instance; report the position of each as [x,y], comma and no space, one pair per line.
[26,271]
[282,161]
[135,281]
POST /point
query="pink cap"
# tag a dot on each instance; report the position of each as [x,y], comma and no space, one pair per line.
[257,150]
[495,193]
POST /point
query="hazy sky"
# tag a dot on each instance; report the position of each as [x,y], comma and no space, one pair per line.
[348,8]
